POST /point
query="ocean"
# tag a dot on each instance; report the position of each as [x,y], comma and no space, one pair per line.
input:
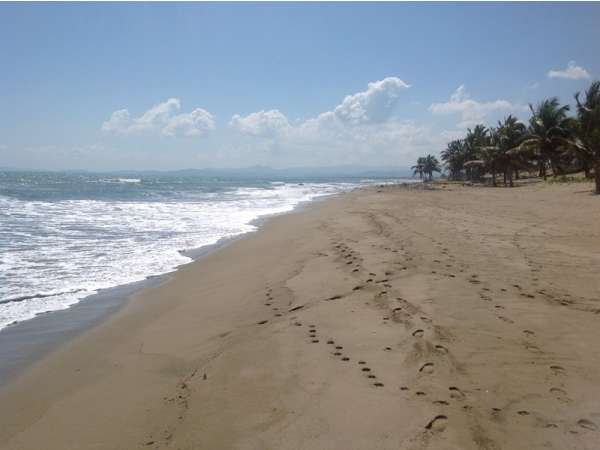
[66,236]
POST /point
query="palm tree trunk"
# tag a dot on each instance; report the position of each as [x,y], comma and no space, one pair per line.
[505,169]
[597,176]
[542,164]
[516,175]
[510,176]
[494,177]
[586,170]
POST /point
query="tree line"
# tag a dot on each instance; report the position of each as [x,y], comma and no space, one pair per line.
[552,142]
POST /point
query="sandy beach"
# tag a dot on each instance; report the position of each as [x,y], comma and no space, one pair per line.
[385,318]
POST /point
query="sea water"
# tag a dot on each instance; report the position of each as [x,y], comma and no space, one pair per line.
[65,236]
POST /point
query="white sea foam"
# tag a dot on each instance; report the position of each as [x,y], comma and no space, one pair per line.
[54,253]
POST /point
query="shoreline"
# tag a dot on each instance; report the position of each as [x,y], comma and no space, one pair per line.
[472,311]
[29,341]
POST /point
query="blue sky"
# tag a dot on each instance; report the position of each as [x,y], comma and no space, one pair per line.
[168,86]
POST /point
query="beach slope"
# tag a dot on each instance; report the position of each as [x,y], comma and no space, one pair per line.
[386,318]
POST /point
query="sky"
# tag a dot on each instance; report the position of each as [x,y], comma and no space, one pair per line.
[119,86]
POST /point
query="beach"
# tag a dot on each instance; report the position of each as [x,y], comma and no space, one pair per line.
[390,317]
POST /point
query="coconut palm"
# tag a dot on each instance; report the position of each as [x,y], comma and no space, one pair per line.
[475,140]
[587,141]
[454,158]
[425,167]
[430,165]
[549,126]
[419,168]
[500,155]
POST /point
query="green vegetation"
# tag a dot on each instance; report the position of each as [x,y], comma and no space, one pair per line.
[551,141]
[425,167]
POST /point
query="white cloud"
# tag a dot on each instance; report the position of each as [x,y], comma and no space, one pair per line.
[471,111]
[261,123]
[162,118]
[119,121]
[572,72]
[359,130]
[195,123]
[374,105]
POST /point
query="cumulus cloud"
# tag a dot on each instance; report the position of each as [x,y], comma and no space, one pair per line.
[374,105]
[572,72]
[361,129]
[270,123]
[471,111]
[195,123]
[162,118]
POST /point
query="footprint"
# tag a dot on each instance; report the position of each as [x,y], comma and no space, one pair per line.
[418,333]
[557,369]
[506,319]
[523,413]
[362,362]
[426,368]
[262,322]
[456,393]
[337,354]
[420,393]
[441,349]
[587,424]
[559,394]
[441,402]
[404,388]
[366,369]
[314,341]
[345,358]
[438,423]
[378,384]
[335,297]
[331,342]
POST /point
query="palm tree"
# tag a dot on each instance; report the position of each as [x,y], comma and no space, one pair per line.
[548,127]
[431,164]
[501,155]
[587,142]
[426,165]
[474,141]
[419,168]
[454,158]
[491,155]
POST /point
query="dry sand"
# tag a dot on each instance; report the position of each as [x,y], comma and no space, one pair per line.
[455,318]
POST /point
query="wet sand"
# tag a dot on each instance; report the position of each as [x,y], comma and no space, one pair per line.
[387,318]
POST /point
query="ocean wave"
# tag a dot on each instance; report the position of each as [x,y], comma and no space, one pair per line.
[55,253]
